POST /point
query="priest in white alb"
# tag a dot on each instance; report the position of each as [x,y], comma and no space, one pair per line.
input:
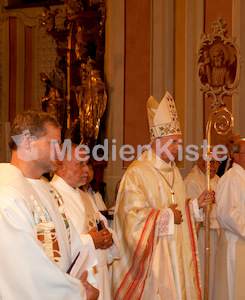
[70,175]
[154,220]
[230,205]
[38,243]
[195,184]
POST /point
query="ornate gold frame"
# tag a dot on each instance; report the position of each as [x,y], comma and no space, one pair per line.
[218,64]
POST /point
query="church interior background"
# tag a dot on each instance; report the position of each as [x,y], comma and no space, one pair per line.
[149,47]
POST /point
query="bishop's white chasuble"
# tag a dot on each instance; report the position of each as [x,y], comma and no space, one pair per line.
[154,266]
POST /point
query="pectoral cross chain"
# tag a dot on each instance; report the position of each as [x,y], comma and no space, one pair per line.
[171,187]
[172,196]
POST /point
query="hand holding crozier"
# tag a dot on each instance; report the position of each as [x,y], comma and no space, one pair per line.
[206,198]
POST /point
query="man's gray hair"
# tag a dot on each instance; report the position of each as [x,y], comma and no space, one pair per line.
[236,146]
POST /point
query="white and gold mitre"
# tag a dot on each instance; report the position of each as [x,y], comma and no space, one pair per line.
[162,117]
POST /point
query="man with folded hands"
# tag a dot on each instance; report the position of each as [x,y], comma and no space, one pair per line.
[71,174]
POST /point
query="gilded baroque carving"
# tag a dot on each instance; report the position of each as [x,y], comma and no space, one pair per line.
[80,106]
[49,18]
[218,64]
[46,58]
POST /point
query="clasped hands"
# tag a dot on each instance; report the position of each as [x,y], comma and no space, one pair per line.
[102,239]
[206,198]
[177,214]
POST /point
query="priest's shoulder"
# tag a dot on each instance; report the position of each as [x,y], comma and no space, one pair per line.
[139,165]
[233,175]
[9,173]
[9,195]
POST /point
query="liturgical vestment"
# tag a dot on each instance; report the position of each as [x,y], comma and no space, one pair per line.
[159,259]
[230,260]
[37,242]
[83,213]
[195,185]
[96,198]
